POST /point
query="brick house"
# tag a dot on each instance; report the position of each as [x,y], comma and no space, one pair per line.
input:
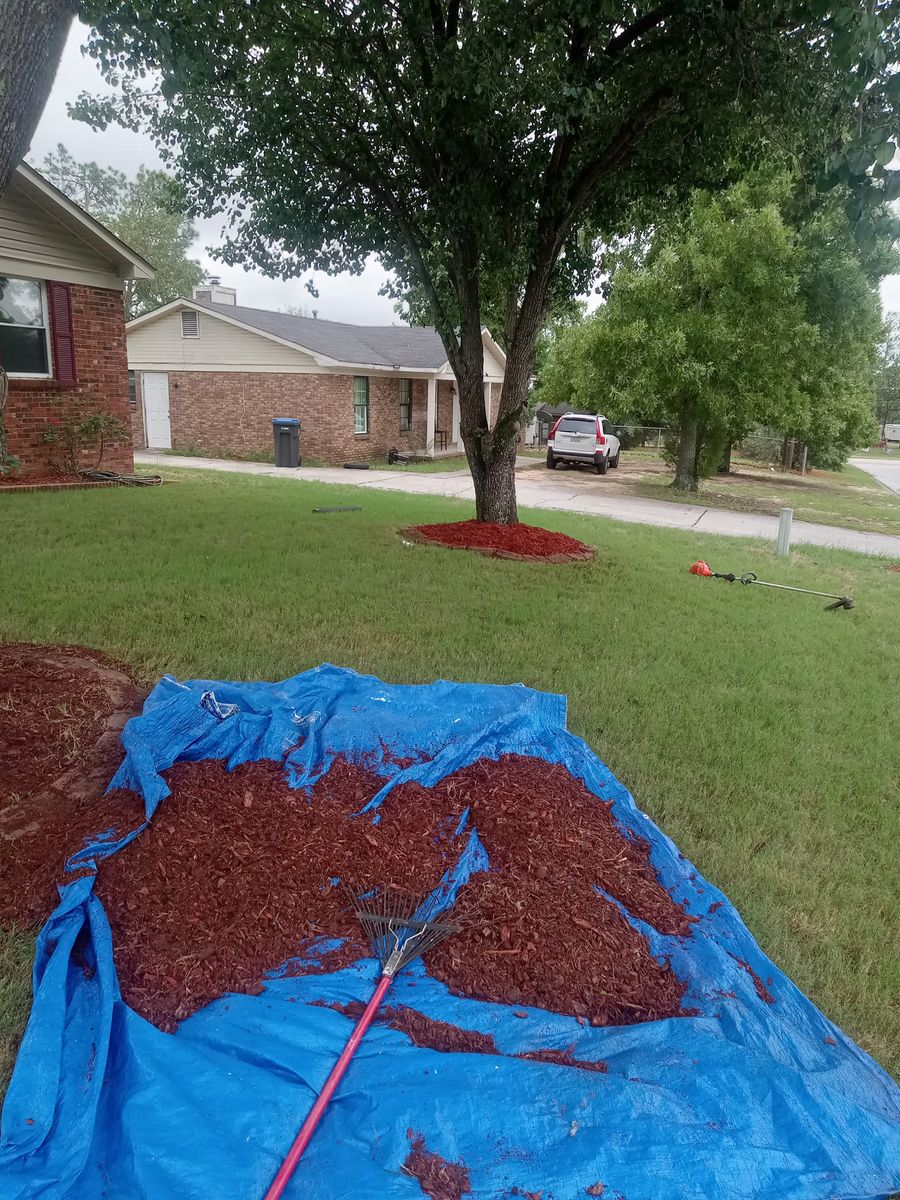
[62,319]
[209,375]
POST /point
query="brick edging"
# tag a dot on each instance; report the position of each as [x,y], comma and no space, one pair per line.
[413,535]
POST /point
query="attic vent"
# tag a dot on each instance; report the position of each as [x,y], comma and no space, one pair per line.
[190,323]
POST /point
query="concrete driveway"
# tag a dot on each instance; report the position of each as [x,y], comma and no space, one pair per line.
[885,470]
[545,489]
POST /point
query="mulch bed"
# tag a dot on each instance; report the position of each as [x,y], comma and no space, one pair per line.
[529,543]
[236,875]
[437,1178]
[49,481]
[62,709]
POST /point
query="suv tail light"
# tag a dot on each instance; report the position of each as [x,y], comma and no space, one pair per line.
[552,433]
[601,440]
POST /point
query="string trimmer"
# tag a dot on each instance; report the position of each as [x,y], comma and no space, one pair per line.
[704,569]
[397,936]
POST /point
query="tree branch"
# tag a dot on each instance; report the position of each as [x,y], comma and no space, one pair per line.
[642,25]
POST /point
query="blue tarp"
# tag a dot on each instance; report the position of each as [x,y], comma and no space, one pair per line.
[745,1100]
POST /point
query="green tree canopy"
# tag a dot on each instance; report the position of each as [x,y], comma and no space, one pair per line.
[470,147]
[147,212]
[734,319]
[887,376]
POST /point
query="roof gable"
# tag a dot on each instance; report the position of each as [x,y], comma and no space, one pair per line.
[334,343]
[50,200]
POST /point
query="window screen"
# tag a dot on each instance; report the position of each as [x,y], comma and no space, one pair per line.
[360,404]
[405,405]
[23,327]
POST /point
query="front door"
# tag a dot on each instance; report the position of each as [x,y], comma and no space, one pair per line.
[155,388]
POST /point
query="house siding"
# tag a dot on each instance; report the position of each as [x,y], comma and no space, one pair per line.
[98,327]
[231,412]
[159,346]
[34,244]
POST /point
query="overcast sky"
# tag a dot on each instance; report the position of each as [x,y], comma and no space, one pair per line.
[341,297]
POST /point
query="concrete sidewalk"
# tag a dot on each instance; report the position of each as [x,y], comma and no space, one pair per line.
[555,496]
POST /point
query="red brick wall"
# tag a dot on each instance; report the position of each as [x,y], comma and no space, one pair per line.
[101,366]
[443,417]
[232,411]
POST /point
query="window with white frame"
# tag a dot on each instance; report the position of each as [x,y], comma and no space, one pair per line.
[405,405]
[24,328]
[360,404]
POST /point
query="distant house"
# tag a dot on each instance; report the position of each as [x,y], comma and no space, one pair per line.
[62,317]
[209,375]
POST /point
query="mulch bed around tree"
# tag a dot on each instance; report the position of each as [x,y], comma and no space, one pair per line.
[62,709]
[437,1178]
[529,543]
[236,874]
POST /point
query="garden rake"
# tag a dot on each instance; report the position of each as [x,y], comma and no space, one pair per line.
[705,570]
[399,931]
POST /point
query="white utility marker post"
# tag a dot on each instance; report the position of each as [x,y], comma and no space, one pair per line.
[783,547]
[430,414]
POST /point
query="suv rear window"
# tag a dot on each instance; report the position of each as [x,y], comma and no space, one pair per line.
[577,425]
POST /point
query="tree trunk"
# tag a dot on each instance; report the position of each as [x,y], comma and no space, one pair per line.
[686,474]
[724,467]
[32,36]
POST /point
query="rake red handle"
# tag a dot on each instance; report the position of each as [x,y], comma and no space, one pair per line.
[302,1140]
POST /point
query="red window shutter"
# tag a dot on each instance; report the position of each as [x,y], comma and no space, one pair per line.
[61,339]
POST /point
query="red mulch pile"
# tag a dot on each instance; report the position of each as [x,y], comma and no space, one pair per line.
[233,877]
[437,1178]
[62,709]
[528,542]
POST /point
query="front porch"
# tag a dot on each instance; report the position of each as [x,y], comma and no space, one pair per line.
[442,434]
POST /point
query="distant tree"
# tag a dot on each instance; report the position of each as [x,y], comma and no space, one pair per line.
[101,191]
[470,147]
[32,36]
[887,376]
[147,212]
[152,220]
[733,319]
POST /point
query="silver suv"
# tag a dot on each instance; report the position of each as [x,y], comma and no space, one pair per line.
[583,438]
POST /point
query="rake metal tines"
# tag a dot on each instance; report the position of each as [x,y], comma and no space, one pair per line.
[397,927]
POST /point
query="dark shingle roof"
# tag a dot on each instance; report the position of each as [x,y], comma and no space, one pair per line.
[371,345]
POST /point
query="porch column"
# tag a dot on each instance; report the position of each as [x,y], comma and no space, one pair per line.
[454,436]
[487,403]
[430,414]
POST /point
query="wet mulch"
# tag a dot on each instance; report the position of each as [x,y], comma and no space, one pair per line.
[439,1179]
[527,542]
[62,709]
[237,871]
[450,1039]
[761,990]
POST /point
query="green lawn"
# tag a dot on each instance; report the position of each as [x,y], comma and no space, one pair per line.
[848,497]
[760,732]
